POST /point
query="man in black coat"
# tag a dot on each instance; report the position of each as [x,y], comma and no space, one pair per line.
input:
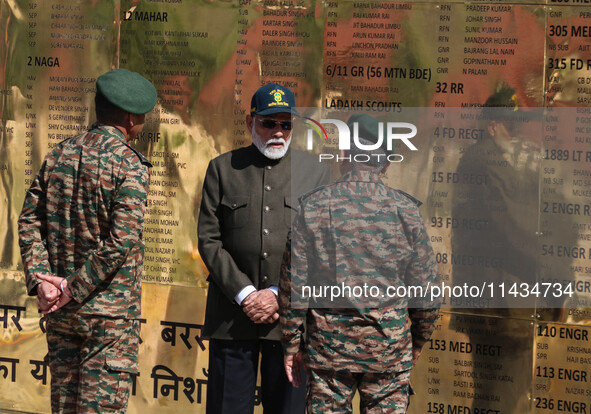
[243,223]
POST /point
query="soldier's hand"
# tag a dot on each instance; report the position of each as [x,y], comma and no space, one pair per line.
[261,306]
[47,295]
[292,363]
[60,283]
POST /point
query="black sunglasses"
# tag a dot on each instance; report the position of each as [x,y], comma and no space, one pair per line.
[272,124]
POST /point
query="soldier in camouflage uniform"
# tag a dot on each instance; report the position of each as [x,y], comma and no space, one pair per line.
[82,247]
[356,231]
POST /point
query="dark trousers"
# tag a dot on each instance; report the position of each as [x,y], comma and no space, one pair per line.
[232,379]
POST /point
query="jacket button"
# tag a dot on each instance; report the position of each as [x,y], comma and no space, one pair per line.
[266,232]
[233,205]
[265,278]
[267,209]
[265,255]
[269,167]
[267,188]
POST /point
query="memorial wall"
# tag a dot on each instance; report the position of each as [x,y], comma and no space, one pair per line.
[522,213]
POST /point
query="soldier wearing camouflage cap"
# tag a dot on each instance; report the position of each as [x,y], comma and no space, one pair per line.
[356,231]
[82,248]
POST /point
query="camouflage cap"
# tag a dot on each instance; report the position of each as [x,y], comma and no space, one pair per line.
[127,90]
[369,129]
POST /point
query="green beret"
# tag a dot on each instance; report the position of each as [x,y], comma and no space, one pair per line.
[503,98]
[504,106]
[127,90]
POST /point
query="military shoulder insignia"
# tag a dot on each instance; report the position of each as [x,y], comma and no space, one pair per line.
[309,193]
[411,198]
[143,159]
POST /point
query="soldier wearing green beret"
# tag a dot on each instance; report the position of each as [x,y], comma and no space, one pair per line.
[80,234]
[358,232]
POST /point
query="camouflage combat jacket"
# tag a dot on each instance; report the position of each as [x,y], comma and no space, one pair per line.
[83,219]
[356,230]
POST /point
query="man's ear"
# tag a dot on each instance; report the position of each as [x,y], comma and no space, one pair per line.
[127,121]
[492,128]
[344,166]
[249,122]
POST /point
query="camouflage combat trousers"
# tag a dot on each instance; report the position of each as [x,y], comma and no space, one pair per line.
[380,393]
[91,359]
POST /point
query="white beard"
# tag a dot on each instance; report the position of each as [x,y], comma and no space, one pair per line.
[266,150]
